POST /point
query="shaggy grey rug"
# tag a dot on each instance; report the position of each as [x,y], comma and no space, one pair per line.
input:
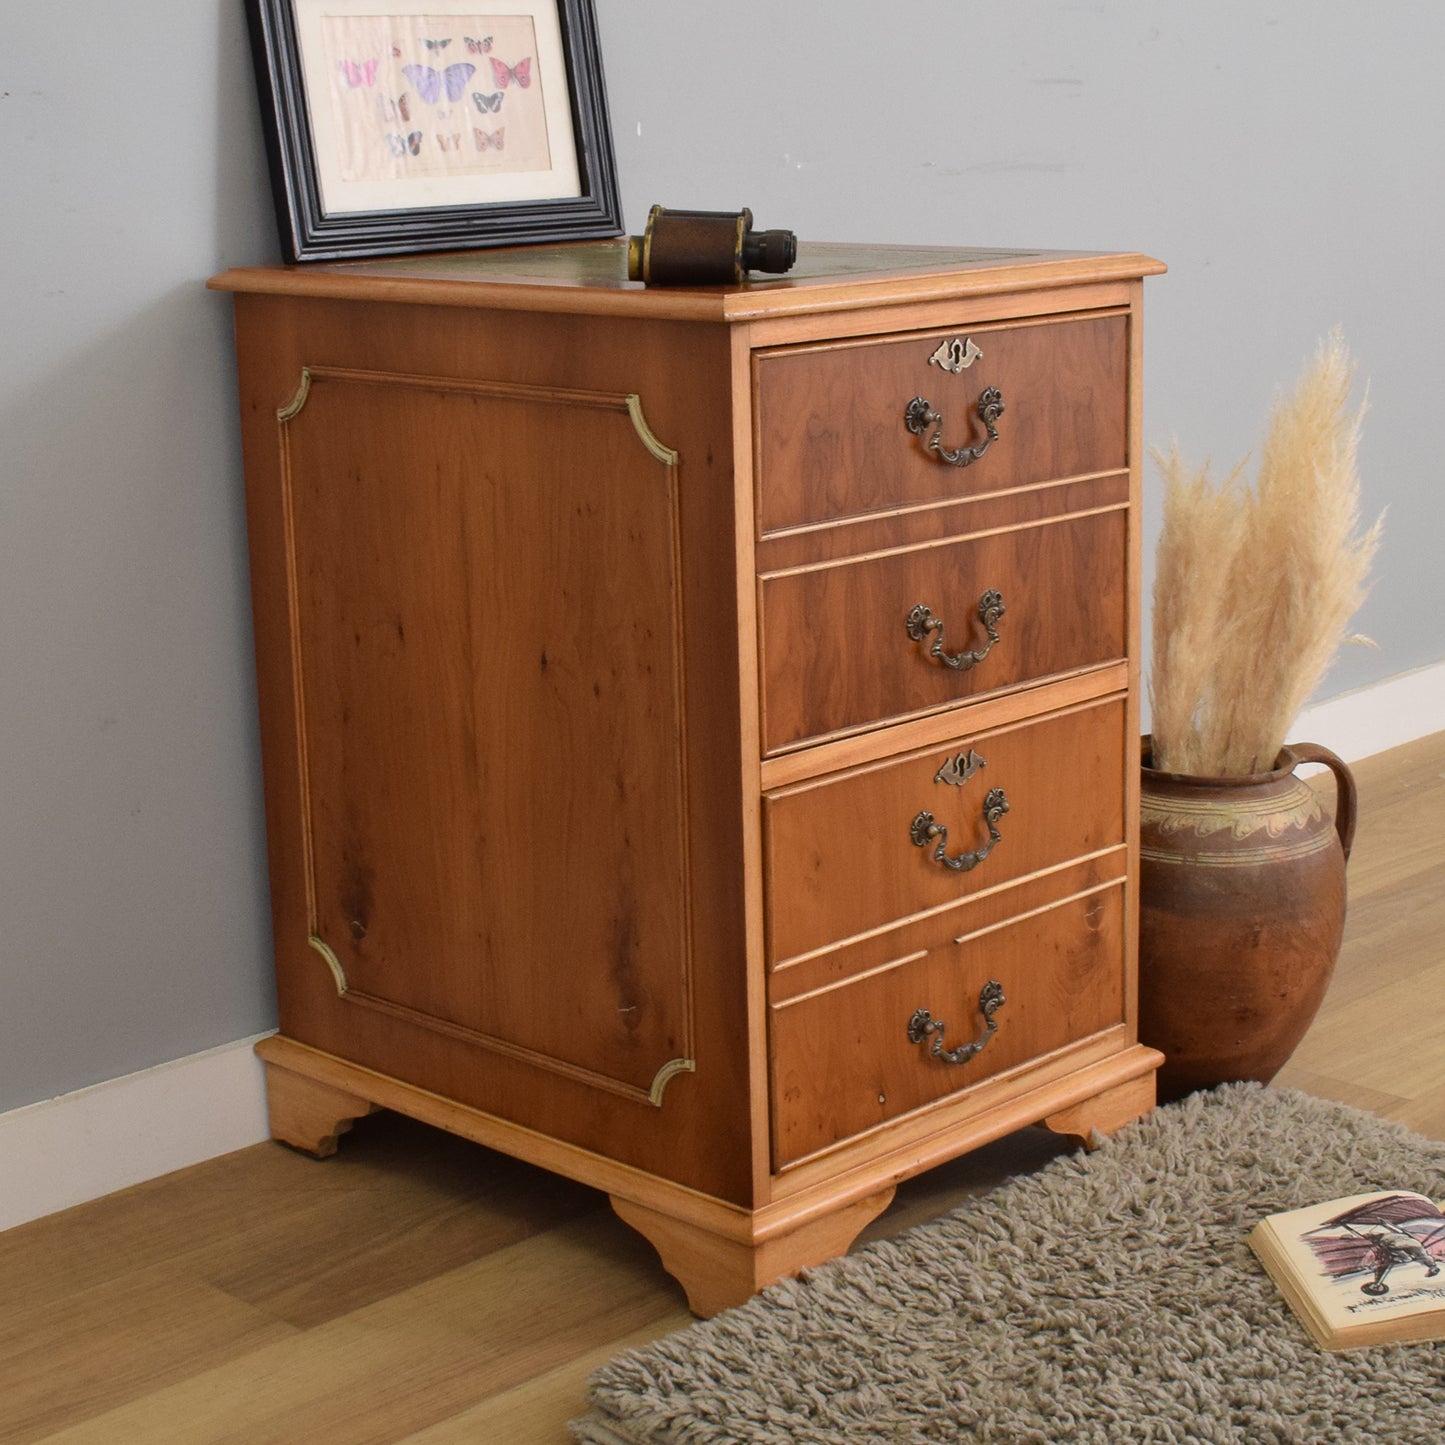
[1109,1297]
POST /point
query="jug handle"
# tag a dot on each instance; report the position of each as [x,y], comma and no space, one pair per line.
[1345,797]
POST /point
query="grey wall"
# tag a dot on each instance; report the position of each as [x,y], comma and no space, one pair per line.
[132,884]
[1286,160]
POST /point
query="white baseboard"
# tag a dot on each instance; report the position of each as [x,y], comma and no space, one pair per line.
[1371,719]
[92,1142]
[80,1146]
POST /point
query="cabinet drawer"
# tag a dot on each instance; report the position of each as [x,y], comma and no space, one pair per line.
[838,652]
[841,857]
[843,1059]
[833,443]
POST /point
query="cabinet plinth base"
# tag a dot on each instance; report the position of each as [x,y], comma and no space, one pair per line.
[308,1114]
[717,1272]
[1092,1119]
[721,1253]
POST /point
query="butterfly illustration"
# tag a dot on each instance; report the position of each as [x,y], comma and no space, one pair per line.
[401,145]
[484,103]
[358,72]
[478,47]
[437,44]
[504,75]
[429,82]
[451,142]
[492,138]
[396,109]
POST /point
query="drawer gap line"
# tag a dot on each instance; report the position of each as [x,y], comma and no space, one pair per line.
[888,967]
[884,514]
[799,958]
[933,544]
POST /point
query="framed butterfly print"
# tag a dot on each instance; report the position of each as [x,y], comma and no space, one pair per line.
[396,127]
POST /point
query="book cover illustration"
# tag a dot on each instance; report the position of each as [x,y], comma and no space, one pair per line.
[1390,1235]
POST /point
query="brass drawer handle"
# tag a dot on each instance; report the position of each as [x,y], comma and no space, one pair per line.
[921,621]
[923,830]
[990,1000]
[919,415]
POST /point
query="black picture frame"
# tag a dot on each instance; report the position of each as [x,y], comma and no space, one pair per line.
[326,212]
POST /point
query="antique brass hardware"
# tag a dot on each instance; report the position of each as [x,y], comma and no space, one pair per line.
[956,354]
[921,621]
[925,828]
[957,770]
[919,415]
[922,1024]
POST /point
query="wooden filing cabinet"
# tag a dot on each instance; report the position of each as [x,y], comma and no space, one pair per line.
[701,726]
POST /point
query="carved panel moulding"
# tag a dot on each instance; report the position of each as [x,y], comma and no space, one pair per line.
[650,1083]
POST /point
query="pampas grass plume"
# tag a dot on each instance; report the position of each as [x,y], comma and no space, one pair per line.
[1254,588]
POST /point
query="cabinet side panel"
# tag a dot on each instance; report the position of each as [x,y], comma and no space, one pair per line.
[485,617]
[613,877]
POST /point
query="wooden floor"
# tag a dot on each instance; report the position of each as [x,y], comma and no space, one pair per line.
[417,1288]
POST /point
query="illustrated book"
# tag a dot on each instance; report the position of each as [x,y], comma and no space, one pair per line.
[1363,1270]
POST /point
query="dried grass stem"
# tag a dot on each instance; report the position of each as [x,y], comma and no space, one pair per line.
[1254,588]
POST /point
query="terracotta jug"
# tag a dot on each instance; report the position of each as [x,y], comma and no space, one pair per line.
[1242,906]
